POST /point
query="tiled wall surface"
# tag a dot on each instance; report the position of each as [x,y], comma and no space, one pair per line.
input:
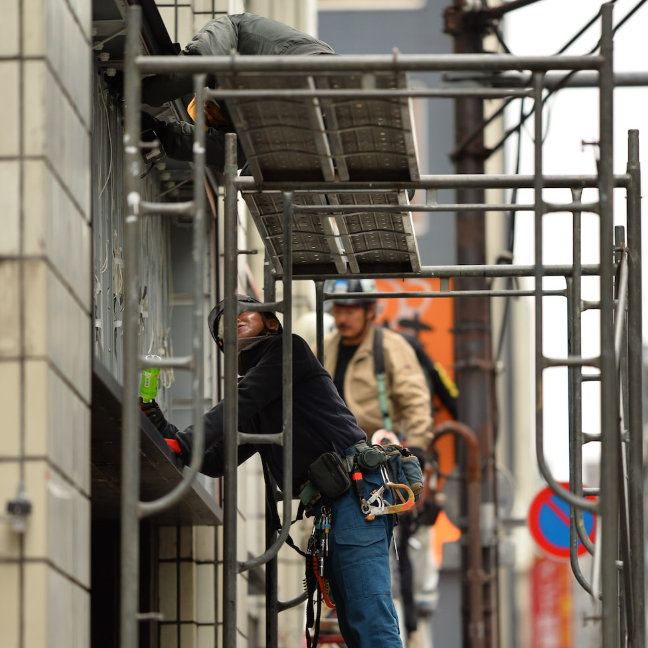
[45,284]
[187,587]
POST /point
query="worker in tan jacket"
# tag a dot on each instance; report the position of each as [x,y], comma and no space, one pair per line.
[379,377]
[349,358]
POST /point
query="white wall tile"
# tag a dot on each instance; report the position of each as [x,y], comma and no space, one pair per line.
[77,69]
[81,618]
[37,108]
[60,427]
[55,227]
[9,539]
[206,636]
[37,536]
[83,11]
[167,591]
[186,542]
[73,149]
[36,605]
[61,603]
[81,539]
[37,419]
[169,636]
[10,403]
[9,45]
[81,434]
[36,316]
[205,543]
[33,43]
[9,107]
[168,542]
[188,636]
[68,328]
[9,206]
[60,522]
[35,207]
[9,605]
[55,36]
[9,329]
[205,600]
[187,591]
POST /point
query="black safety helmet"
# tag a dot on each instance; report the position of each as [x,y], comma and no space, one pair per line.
[215,317]
[345,286]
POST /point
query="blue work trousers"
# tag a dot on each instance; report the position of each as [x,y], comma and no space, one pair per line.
[358,571]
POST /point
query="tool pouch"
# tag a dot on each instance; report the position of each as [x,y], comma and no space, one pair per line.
[329,473]
[404,468]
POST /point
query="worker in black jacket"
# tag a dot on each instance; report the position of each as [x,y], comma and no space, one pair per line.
[246,34]
[357,564]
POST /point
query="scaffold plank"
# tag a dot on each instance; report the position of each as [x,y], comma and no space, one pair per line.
[316,244]
[349,140]
[282,138]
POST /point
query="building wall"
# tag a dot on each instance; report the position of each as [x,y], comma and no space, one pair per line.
[45,347]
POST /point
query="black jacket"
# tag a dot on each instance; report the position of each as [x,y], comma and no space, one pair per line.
[321,420]
[249,35]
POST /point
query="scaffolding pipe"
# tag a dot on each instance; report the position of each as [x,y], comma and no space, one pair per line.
[130,452]
[396,62]
[609,496]
[456,181]
[359,208]
[635,391]
[452,272]
[352,94]
[230,441]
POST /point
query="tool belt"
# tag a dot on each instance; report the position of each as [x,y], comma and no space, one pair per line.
[331,475]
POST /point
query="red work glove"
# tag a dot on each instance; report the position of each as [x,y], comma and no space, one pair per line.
[174,445]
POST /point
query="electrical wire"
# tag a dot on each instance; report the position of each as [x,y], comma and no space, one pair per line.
[470,137]
[561,84]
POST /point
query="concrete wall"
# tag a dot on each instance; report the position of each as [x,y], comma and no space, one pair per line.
[45,347]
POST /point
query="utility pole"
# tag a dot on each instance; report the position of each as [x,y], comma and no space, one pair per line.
[474,369]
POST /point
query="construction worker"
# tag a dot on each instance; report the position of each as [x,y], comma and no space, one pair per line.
[397,401]
[357,564]
[246,34]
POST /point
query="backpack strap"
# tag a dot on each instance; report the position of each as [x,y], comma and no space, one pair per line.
[379,367]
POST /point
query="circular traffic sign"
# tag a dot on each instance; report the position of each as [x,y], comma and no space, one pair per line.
[549,523]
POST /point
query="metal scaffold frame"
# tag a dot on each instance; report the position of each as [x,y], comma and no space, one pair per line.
[619,547]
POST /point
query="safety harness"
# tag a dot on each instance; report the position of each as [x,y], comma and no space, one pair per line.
[379,367]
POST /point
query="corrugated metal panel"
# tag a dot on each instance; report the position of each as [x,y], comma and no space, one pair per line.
[371,139]
[357,139]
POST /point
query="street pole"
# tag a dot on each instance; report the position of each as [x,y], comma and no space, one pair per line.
[473,351]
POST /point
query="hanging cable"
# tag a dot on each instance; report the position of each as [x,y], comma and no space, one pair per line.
[470,137]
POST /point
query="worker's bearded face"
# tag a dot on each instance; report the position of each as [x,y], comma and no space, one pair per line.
[352,321]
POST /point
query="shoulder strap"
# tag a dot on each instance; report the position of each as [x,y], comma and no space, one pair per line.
[379,367]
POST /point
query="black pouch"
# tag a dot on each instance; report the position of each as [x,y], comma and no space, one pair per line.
[330,474]
[405,468]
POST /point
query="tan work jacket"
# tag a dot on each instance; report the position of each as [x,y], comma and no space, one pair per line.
[408,395]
